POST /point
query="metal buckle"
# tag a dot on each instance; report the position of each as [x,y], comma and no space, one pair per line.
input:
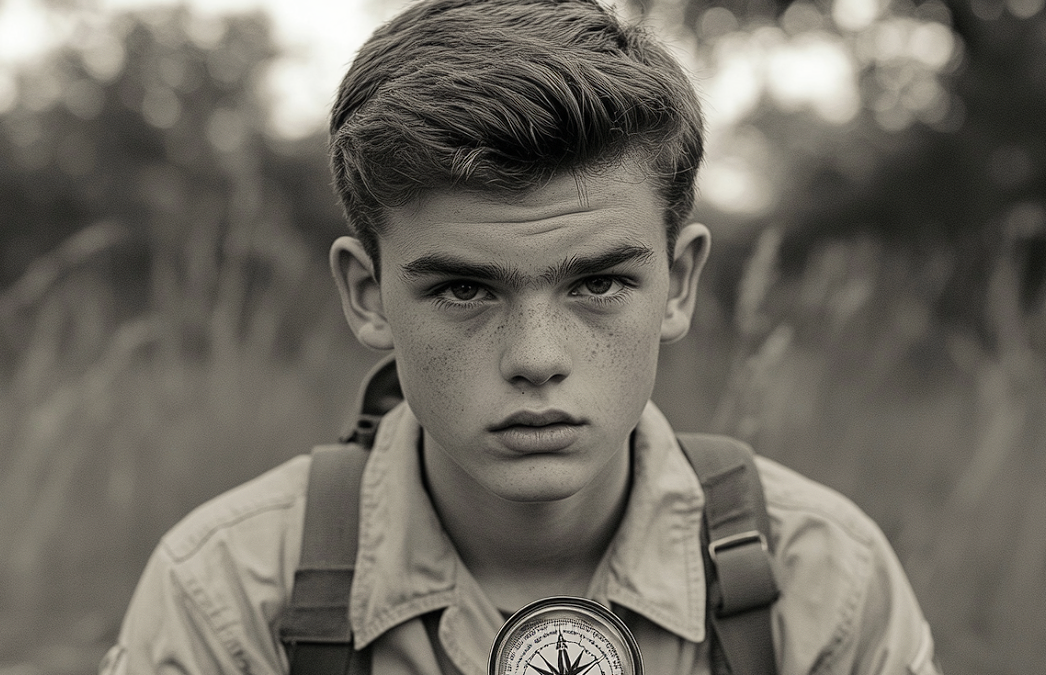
[735,540]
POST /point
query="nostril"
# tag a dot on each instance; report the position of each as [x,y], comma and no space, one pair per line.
[531,375]
[537,349]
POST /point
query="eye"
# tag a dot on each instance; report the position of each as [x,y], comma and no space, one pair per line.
[599,286]
[463,290]
[461,293]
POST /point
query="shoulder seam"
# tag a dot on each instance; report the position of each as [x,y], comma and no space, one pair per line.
[855,525]
[268,492]
[857,535]
[227,641]
[852,525]
[199,537]
[845,629]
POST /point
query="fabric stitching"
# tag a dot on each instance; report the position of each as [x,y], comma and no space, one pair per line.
[848,615]
[203,535]
[397,614]
[196,598]
[187,538]
[787,501]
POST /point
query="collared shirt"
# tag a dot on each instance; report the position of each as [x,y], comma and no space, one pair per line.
[211,595]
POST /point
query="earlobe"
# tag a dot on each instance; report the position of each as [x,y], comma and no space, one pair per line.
[691,252]
[360,293]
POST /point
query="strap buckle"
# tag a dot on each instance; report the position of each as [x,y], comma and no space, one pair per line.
[736,540]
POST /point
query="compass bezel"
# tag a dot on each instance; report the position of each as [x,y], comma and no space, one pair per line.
[590,610]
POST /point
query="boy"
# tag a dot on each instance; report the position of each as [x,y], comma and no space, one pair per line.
[518,174]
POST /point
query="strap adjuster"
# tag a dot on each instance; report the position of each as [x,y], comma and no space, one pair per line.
[736,540]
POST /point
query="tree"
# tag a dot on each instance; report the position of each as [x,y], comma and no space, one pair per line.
[929,137]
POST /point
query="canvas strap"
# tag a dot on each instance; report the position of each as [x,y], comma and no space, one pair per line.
[735,540]
[315,627]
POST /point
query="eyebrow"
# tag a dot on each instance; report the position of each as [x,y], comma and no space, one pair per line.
[448,265]
[579,266]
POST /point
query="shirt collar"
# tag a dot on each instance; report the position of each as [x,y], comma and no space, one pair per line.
[407,566]
[654,565]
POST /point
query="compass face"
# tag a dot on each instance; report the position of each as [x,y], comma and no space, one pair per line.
[565,636]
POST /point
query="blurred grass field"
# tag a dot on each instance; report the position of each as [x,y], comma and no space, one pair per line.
[115,426]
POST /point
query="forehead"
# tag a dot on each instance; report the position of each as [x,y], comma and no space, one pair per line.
[566,216]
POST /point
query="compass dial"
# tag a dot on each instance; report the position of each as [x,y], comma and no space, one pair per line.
[565,636]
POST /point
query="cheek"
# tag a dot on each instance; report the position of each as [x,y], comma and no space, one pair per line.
[625,359]
[437,367]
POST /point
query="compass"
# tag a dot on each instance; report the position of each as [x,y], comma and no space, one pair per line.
[564,636]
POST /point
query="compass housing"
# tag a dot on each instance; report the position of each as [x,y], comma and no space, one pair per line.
[565,635]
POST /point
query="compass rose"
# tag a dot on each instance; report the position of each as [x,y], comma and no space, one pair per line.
[564,636]
[564,666]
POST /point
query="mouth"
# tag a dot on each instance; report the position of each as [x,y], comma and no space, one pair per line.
[531,418]
[528,432]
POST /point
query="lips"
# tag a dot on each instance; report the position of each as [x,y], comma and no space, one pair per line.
[532,418]
[530,431]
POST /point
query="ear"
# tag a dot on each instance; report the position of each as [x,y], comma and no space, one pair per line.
[360,293]
[688,260]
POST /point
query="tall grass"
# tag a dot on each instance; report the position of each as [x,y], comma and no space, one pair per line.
[846,373]
[116,421]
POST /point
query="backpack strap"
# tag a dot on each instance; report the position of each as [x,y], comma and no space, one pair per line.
[379,393]
[735,538]
[315,628]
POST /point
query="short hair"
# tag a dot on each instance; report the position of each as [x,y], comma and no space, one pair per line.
[502,96]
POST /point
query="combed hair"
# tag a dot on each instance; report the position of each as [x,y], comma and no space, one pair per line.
[502,96]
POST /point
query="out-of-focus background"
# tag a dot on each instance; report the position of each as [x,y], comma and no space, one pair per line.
[874,314]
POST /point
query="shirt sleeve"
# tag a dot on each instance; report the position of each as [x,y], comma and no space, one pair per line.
[166,630]
[211,595]
[846,606]
[889,635]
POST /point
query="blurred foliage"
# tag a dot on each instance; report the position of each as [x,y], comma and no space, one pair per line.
[883,289]
[167,326]
[155,121]
[876,184]
[943,154]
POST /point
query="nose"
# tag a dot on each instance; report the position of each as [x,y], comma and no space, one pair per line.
[535,350]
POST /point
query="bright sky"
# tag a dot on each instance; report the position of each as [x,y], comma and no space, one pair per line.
[801,64]
[320,38]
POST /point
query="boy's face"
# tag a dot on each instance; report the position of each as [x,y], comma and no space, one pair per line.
[526,332]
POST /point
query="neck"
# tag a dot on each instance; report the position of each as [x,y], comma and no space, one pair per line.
[524,551]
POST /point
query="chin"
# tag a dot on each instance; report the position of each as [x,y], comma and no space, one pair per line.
[536,496]
[536,489]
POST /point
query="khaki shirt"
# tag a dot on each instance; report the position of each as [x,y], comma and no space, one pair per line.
[211,595]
